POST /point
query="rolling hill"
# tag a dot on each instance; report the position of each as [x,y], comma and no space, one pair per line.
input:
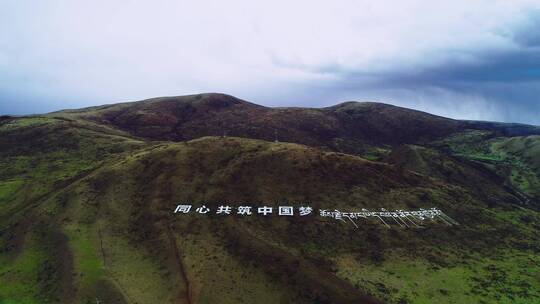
[87,199]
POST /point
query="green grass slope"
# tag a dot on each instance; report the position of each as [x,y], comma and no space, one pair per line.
[86,201]
[514,159]
[86,215]
[39,157]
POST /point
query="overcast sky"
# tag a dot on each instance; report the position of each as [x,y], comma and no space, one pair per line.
[462,59]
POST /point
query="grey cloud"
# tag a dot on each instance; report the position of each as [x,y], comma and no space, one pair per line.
[459,59]
[507,80]
[528,33]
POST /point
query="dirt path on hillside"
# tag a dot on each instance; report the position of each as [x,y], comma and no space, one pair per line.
[180,263]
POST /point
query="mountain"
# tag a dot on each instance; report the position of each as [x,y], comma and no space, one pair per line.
[87,199]
[189,117]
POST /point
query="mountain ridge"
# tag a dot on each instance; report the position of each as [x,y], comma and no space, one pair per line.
[87,200]
[357,125]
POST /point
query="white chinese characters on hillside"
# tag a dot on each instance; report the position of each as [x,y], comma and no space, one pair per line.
[400,218]
[244,210]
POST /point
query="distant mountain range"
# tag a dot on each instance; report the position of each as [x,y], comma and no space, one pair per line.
[87,199]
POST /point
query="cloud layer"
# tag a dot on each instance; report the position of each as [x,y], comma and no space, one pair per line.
[462,59]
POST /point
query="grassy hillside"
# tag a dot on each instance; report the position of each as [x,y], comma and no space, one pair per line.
[87,200]
[515,159]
